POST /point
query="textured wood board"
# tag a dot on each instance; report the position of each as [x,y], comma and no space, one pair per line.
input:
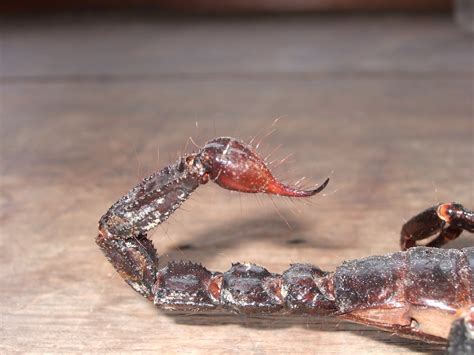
[130,48]
[394,138]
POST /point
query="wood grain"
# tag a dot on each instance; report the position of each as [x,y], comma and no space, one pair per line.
[382,105]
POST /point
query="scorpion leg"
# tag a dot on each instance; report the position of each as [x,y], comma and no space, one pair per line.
[449,220]
[461,336]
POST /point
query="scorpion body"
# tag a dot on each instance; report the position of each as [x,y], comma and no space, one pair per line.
[416,293]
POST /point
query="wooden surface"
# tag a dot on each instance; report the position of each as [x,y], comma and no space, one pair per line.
[88,106]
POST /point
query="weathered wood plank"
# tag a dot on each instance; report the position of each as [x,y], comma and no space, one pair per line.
[131,48]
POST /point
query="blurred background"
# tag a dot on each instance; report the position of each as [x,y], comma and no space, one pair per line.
[95,95]
[230,6]
[462,9]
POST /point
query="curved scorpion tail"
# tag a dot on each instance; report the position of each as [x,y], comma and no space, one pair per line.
[123,229]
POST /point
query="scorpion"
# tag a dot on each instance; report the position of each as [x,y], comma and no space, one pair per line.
[421,292]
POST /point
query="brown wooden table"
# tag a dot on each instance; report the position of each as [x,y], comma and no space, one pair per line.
[90,105]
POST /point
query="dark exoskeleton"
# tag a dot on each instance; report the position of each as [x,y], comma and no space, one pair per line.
[423,292]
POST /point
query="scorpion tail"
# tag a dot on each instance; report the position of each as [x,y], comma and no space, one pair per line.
[234,166]
[123,229]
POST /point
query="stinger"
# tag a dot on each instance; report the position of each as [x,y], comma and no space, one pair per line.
[234,166]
